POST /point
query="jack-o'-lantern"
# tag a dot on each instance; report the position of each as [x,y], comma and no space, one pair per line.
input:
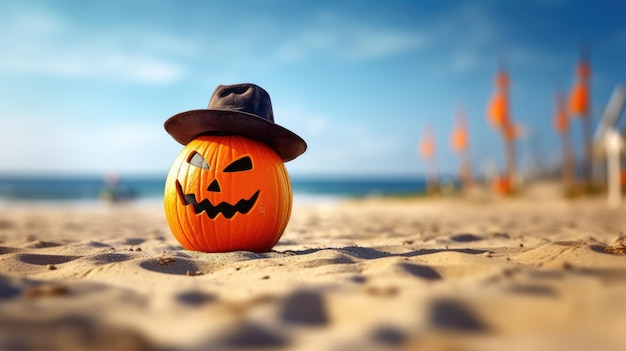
[226,193]
[228,189]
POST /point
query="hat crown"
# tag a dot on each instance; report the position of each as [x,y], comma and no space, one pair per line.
[244,109]
[248,98]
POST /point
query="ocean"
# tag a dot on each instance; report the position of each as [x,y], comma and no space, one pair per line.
[20,189]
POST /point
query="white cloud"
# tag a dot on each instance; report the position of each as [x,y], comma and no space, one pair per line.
[317,125]
[332,36]
[305,122]
[472,36]
[371,43]
[356,150]
[84,63]
[33,23]
[467,35]
[53,145]
[43,44]
[340,146]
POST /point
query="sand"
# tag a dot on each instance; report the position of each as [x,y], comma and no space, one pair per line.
[531,273]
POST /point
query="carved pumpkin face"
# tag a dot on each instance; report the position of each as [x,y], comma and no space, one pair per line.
[227,193]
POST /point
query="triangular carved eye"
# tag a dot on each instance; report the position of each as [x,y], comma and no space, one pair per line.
[242,164]
[197,160]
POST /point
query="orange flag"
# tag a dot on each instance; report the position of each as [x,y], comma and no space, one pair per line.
[513,131]
[459,139]
[498,109]
[579,98]
[561,119]
[427,146]
[502,79]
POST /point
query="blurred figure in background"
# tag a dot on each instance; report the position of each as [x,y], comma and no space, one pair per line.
[427,151]
[114,191]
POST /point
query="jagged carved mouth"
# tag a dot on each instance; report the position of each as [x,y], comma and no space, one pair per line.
[242,206]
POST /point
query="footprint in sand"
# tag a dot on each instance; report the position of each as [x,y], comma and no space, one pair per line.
[97,244]
[195,298]
[6,224]
[40,244]
[171,265]
[420,271]
[455,316]
[466,238]
[8,250]
[534,289]
[43,260]
[305,308]
[366,252]
[109,257]
[249,335]
[7,290]
[134,241]
[389,336]
[69,333]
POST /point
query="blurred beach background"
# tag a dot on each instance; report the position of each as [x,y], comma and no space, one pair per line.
[86,87]
[462,187]
[90,191]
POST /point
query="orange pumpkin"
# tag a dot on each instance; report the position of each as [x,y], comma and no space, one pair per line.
[227,193]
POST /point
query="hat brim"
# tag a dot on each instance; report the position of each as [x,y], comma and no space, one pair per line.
[188,125]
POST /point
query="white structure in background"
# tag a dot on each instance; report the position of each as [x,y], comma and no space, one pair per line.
[614,145]
[609,143]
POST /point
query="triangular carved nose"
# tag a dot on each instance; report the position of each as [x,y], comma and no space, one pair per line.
[214,187]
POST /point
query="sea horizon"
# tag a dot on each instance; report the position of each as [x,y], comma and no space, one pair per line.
[84,189]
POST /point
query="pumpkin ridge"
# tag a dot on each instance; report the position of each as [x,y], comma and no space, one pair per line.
[173,206]
[203,241]
[246,150]
[186,231]
[281,178]
[222,142]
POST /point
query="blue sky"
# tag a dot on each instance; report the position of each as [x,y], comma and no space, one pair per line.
[85,86]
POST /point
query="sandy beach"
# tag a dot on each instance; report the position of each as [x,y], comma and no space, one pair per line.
[528,273]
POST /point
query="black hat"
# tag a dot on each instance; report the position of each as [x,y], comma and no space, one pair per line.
[243,109]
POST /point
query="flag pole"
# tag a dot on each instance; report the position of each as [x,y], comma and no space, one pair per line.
[561,125]
[581,105]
